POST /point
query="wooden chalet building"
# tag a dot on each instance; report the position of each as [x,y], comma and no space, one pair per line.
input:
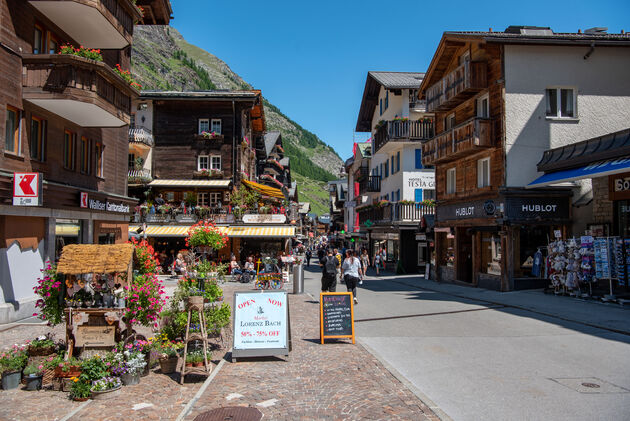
[203,148]
[500,100]
[64,117]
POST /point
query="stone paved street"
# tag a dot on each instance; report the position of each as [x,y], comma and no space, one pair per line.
[332,381]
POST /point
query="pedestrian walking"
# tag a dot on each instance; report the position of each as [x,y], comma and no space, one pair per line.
[329,264]
[308,257]
[339,258]
[365,263]
[352,273]
[377,262]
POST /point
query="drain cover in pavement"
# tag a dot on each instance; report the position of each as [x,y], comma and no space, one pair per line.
[231,413]
[590,385]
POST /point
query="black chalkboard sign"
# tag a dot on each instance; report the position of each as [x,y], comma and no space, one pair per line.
[336,315]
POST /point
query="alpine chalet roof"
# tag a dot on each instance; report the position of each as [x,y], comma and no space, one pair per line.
[271,138]
[200,95]
[373,83]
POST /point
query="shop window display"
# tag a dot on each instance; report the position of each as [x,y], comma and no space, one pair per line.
[491,253]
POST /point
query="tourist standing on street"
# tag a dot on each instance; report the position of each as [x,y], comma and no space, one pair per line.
[352,273]
[308,257]
[339,258]
[377,262]
[365,263]
[329,264]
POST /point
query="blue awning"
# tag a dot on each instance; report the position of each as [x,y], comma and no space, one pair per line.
[598,169]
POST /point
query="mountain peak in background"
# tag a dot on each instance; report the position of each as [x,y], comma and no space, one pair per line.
[163,60]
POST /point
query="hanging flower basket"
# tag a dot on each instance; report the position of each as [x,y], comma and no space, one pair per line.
[205,233]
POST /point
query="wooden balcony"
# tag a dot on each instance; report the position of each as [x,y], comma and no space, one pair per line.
[395,213]
[141,135]
[402,131]
[139,176]
[155,12]
[104,24]
[370,184]
[86,92]
[458,85]
[468,137]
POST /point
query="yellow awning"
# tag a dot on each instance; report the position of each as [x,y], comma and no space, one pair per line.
[235,232]
[266,190]
[190,183]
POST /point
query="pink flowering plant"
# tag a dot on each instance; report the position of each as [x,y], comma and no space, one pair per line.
[146,300]
[50,305]
[14,359]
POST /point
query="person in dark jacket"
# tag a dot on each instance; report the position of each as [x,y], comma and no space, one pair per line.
[329,264]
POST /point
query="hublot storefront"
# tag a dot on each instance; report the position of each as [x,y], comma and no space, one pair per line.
[491,243]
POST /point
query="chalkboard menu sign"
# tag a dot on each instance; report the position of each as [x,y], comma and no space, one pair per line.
[336,315]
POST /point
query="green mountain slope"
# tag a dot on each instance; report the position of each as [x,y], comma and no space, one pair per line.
[163,60]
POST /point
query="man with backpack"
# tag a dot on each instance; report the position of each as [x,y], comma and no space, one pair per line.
[329,264]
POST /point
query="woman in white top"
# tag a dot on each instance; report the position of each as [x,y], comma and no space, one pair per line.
[352,272]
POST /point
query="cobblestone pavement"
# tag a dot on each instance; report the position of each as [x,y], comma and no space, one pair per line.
[334,381]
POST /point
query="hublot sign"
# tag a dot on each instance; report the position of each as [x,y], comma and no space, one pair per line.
[537,208]
[478,209]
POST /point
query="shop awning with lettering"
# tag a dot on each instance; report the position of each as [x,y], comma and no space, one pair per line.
[190,183]
[598,169]
[233,232]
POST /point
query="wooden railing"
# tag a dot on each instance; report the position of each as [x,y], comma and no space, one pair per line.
[140,135]
[467,78]
[395,213]
[78,79]
[370,183]
[402,131]
[119,12]
[471,135]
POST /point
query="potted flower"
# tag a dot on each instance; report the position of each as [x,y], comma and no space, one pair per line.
[11,364]
[68,369]
[80,389]
[33,375]
[190,359]
[198,359]
[134,364]
[49,307]
[42,346]
[120,296]
[105,388]
[168,352]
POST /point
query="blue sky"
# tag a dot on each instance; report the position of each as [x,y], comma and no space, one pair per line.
[311,58]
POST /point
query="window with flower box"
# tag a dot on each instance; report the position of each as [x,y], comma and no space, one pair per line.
[215,162]
[204,125]
[203,163]
[216,125]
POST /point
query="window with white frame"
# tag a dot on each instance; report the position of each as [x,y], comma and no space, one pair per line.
[561,102]
[204,125]
[203,162]
[215,198]
[202,199]
[483,106]
[215,162]
[451,186]
[483,172]
[216,125]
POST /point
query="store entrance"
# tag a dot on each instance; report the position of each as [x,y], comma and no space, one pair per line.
[464,255]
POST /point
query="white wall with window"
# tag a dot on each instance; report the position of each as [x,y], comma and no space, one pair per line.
[565,99]
[483,172]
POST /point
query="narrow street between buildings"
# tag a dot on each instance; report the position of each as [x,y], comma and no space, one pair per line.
[472,353]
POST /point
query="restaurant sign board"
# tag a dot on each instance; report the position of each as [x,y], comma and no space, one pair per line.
[264,219]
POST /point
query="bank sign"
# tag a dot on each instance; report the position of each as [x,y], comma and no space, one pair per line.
[100,205]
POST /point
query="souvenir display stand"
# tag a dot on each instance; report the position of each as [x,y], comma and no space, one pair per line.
[570,265]
[94,278]
[195,303]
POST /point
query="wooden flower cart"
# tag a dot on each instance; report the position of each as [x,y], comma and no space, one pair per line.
[98,324]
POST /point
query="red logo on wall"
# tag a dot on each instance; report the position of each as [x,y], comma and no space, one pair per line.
[84,200]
